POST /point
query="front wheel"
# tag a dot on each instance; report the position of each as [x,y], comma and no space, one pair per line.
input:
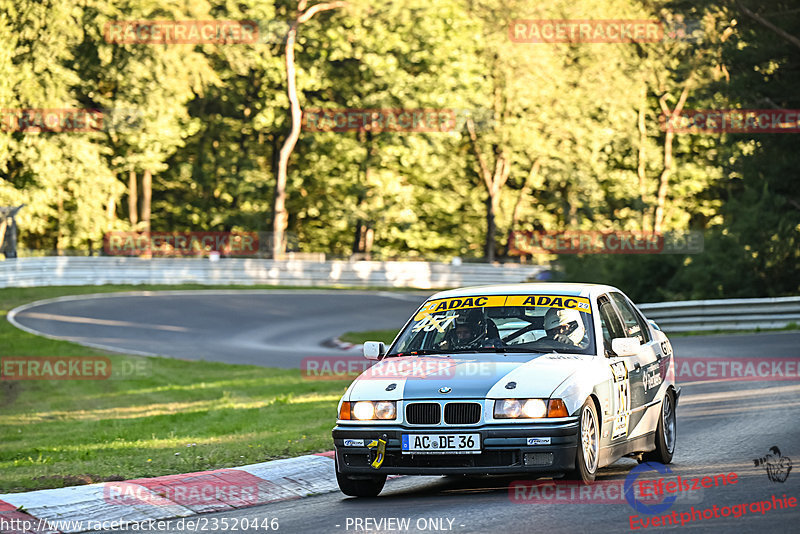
[588,453]
[360,485]
[666,431]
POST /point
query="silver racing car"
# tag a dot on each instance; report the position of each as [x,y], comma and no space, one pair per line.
[545,379]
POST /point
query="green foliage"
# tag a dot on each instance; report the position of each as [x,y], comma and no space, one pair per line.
[208,121]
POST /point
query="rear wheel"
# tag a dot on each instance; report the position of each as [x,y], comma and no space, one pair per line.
[588,454]
[360,485]
[666,432]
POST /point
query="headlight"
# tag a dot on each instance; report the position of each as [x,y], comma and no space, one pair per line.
[508,408]
[529,408]
[364,410]
[368,410]
[384,410]
[534,408]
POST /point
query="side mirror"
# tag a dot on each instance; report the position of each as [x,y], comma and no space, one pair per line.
[622,346]
[654,324]
[374,350]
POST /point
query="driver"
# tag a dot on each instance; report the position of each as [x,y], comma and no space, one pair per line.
[565,326]
[473,330]
[469,328]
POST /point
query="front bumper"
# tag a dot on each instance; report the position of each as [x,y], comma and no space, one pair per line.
[504,450]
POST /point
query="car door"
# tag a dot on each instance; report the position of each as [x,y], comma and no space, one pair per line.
[620,397]
[643,368]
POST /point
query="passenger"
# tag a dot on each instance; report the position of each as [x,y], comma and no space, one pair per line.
[565,326]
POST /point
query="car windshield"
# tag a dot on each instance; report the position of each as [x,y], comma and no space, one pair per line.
[499,323]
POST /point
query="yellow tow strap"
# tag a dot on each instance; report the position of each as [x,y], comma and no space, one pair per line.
[381,445]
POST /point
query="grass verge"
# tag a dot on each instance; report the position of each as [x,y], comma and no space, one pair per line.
[170,416]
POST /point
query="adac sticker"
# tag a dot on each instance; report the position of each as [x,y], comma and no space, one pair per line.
[460,303]
[545,301]
[550,301]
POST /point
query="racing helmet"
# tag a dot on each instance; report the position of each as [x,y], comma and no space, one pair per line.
[468,328]
[566,322]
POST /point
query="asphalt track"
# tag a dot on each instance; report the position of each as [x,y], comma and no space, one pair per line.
[722,426]
[273,328]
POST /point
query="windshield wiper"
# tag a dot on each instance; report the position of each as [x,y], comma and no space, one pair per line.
[418,352]
[493,349]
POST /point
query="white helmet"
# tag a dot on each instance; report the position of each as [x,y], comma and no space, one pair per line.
[556,318]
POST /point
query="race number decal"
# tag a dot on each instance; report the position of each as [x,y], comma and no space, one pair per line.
[622,400]
[431,322]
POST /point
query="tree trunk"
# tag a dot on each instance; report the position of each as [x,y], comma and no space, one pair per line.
[491,227]
[364,232]
[280,217]
[111,209]
[133,200]
[60,232]
[494,184]
[642,167]
[147,196]
[669,137]
[526,188]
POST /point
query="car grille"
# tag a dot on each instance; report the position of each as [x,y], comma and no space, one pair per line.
[462,413]
[423,413]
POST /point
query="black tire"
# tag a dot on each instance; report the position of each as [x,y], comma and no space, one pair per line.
[360,485]
[666,432]
[588,453]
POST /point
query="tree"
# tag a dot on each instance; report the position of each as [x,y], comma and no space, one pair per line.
[280,218]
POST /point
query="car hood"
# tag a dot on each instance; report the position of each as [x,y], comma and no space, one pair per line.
[466,375]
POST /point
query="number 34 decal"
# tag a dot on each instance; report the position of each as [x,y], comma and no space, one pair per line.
[622,400]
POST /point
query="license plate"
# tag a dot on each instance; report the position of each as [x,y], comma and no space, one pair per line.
[441,443]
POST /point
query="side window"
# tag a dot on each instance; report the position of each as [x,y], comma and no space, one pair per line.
[609,322]
[633,323]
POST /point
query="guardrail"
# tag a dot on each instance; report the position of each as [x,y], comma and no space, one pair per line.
[724,314]
[73,270]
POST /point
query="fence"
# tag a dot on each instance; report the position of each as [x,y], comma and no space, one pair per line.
[74,270]
[724,314]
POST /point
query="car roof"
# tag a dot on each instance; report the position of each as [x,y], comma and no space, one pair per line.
[571,289]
